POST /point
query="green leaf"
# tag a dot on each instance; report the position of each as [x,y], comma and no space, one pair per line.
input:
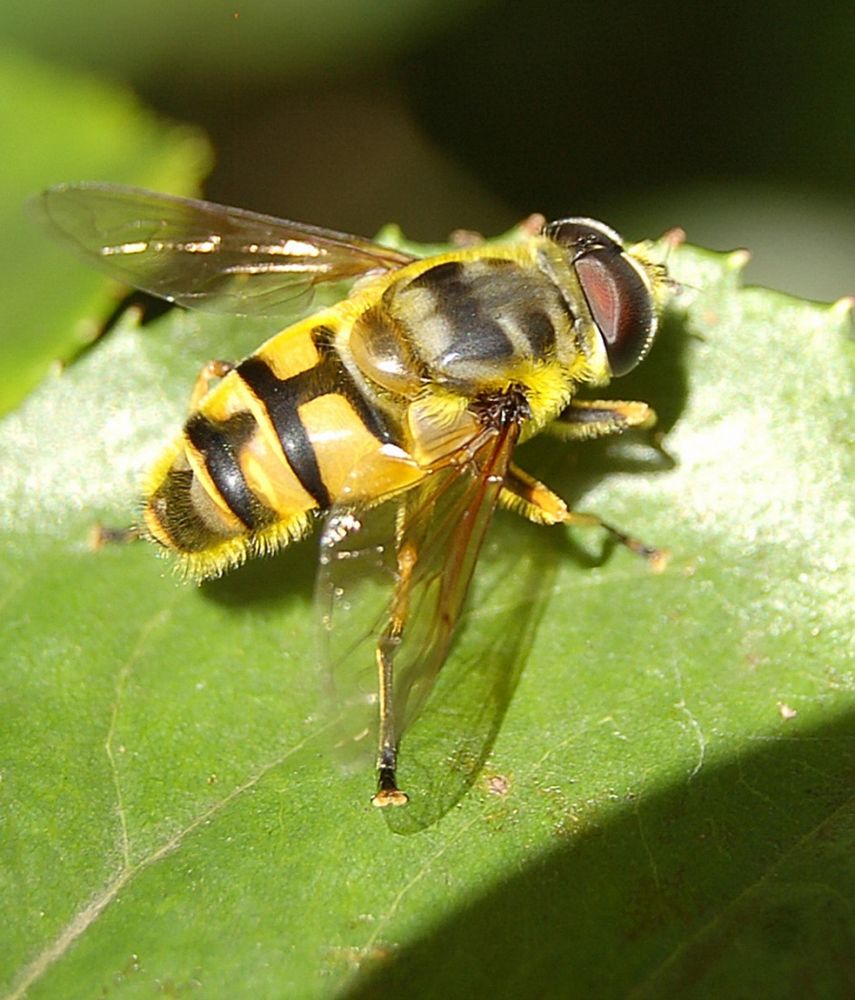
[667,805]
[58,127]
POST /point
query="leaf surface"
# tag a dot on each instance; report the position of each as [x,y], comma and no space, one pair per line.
[665,776]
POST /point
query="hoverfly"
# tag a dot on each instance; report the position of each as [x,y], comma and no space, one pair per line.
[408,395]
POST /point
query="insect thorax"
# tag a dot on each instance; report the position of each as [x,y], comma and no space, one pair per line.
[464,324]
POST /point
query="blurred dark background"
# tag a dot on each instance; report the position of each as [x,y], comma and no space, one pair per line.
[735,121]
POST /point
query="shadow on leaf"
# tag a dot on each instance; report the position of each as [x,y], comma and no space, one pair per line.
[735,881]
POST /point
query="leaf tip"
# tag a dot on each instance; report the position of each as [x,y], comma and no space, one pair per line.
[673,238]
[843,309]
[736,260]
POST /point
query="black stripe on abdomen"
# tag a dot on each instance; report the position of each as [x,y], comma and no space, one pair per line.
[279,399]
[282,399]
[173,508]
[219,444]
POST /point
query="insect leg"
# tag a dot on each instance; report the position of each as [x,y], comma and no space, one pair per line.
[584,419]
[388,792]
[536,502]
[213,369]
[100,535]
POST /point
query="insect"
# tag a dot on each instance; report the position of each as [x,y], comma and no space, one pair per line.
[409,395]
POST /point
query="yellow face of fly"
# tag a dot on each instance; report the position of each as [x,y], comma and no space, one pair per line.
[394,413]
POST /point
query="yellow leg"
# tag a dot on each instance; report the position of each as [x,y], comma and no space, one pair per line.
[536,502]
[388,793]
[212,370]
[592,418]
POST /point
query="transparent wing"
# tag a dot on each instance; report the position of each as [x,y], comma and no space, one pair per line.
[203,255]
[441,523]
[447,749]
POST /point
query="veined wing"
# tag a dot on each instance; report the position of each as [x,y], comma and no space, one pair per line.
[203,255]
[422,546]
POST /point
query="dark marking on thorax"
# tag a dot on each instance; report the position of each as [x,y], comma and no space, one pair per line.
[463,297]
[471,319]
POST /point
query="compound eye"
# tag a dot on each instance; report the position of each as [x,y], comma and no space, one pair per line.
[621,305]
[614,287]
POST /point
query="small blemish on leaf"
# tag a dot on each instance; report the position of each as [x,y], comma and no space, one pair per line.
[498,784]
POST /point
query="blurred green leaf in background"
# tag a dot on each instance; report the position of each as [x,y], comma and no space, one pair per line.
[57,127]
[665,806]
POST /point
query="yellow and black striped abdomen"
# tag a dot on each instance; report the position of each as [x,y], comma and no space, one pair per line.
[288,432]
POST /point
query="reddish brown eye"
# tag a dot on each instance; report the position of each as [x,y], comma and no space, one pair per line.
[621,305]
[615,291]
